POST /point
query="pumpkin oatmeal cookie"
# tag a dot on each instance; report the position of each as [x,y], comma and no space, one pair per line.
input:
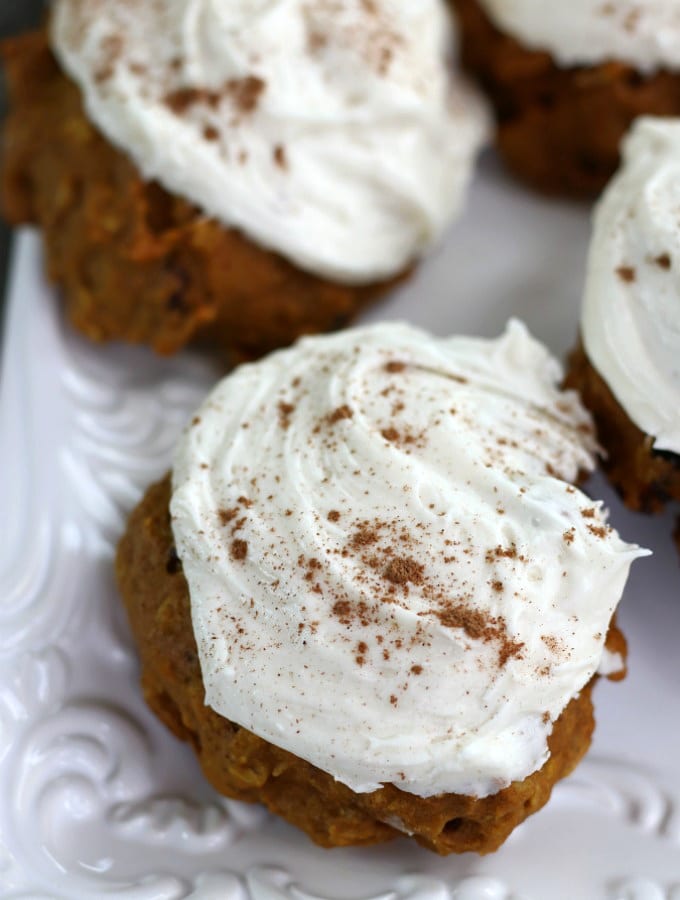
[371,596]
[238,198]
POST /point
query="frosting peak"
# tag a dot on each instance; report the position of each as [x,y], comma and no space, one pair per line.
[331,132]
[391,574]
[631,310]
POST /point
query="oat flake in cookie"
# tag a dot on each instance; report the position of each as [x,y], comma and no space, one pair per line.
[391,573]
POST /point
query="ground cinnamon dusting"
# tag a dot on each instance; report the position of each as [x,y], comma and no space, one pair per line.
[401,570]
[333,515]
[390,434]
[245,92]
[342,610]
[363,537]
[342,412]
[110,50]
[239,549]
[182,99]
[474,623]
[316,41]
[227,515]
[480,626]
[663,261]
[285,412]
[626,273]
[385,57]
[509,649]
[238,524]
[631,20]
[501,553]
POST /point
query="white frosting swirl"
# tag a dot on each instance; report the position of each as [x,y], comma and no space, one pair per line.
[643,33]
[631,311]
[390,575]
[331,132]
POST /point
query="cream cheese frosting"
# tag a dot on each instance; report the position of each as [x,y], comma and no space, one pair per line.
[331,132]
[643,33]
[630,323]
[391,574]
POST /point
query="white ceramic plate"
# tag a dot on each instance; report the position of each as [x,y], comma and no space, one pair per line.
[98,800]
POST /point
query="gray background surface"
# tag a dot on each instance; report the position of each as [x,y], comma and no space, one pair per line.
[15,16]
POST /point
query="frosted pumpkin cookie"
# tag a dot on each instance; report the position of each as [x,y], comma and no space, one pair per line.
[371,595]
[235,173]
